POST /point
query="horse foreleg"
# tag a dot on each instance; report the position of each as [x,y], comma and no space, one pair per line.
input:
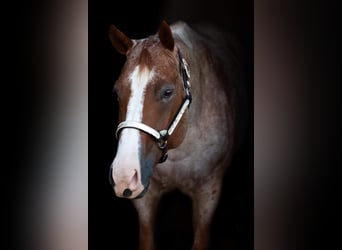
[204,204]
[146,208]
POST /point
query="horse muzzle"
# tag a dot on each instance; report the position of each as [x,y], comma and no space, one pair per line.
[129,188]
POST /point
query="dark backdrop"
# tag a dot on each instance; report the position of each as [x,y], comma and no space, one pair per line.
[113,222]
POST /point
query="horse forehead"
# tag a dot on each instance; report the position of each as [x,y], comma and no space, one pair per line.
[149,56]
[150,53]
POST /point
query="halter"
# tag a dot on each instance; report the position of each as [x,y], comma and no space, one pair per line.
[163,135]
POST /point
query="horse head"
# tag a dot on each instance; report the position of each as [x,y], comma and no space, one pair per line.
[153,92]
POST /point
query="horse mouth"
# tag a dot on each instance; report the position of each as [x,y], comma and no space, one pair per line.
[142,192]
[130,195]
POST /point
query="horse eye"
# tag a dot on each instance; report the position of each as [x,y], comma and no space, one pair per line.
[167,93]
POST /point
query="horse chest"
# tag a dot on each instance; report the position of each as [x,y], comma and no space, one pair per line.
[188,166]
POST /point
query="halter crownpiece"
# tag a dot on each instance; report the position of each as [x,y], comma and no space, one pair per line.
[162,135]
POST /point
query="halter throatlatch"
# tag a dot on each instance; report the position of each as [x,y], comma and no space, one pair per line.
[163,135]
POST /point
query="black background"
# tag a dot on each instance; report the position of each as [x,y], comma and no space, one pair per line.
[113,222]
[297,212]
[306,32]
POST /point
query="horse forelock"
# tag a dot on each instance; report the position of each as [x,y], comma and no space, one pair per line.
[150,54]
[145,60]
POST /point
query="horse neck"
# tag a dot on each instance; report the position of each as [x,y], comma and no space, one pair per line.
[213,81]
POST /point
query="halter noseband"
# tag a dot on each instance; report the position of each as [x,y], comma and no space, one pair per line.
[162,135]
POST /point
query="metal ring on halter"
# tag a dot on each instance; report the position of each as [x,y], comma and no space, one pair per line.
[162,141]
[162,144]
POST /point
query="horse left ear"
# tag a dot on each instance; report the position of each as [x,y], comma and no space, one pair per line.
[165,36]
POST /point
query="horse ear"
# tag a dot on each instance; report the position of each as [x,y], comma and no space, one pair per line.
[165,36]
[119,40]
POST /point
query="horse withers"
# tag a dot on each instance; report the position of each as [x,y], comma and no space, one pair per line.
[177,95]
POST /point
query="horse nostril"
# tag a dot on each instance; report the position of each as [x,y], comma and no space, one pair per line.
[127,192]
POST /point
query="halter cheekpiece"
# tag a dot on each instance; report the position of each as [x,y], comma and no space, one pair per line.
[163,135]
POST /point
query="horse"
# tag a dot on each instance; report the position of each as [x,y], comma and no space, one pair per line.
[178,104]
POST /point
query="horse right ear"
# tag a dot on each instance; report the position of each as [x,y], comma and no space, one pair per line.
[119,40]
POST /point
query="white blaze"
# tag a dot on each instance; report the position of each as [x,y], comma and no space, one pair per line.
[126,162]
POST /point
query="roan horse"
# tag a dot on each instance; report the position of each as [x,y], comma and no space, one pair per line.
[177,114]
